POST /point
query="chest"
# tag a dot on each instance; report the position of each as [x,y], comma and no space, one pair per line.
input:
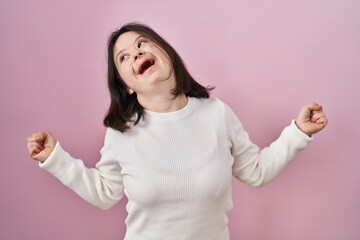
[167,164]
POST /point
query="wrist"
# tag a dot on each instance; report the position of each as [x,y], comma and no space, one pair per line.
[301,129]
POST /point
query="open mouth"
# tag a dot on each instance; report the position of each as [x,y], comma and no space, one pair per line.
[145,65]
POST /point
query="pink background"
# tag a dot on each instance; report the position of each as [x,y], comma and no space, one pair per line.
[266,59]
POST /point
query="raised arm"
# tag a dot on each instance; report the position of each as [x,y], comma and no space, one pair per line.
[101,186]
[256,166]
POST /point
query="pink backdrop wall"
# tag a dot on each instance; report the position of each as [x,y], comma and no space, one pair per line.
[266,59]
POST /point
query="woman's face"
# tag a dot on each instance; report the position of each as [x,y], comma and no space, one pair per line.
[144,66]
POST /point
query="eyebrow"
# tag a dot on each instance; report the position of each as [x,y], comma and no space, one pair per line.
[122,50]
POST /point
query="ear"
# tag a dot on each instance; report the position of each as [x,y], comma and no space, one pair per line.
[130,91]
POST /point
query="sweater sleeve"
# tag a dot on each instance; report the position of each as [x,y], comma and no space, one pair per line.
[101,186]
[255,166]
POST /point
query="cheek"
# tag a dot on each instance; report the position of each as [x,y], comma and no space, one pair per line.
[168,63]
[125,73]
[169,66]
[165,61]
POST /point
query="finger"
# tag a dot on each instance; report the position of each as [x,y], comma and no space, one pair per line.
[41,156]
[34,137]
[37,156]
[35,145]
[31,138]
[313,106]
[34,150]
[317,115]
[322,120]
[33,155]
[317,111]
[49,140]
[32,141]
[308,110]
[40,136]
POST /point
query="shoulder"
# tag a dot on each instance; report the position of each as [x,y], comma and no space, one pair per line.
[213,104]
[115,142]
[113,136]
[215,109]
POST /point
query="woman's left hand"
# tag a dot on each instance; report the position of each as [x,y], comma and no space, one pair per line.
[311,119]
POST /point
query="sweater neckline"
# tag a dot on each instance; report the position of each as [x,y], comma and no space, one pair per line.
[171,116]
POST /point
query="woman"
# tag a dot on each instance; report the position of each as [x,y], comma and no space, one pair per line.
[168,147]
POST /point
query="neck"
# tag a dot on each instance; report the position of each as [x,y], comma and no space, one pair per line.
[163,103]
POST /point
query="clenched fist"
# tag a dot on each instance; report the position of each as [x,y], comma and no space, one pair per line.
[311,119]
[40,145]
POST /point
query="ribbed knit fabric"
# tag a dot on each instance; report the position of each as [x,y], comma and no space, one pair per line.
[176,169]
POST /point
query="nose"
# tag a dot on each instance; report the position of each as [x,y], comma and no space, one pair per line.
[138,54]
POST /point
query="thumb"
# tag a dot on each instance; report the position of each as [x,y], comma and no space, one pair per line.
[43,155]
[41,136]
[307,111]
[314,106]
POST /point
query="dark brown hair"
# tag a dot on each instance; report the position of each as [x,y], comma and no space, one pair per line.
[125,110]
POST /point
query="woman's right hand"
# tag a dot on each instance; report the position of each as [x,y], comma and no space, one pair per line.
[40,145]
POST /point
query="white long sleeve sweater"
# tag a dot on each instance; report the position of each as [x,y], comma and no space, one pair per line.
[176,169]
